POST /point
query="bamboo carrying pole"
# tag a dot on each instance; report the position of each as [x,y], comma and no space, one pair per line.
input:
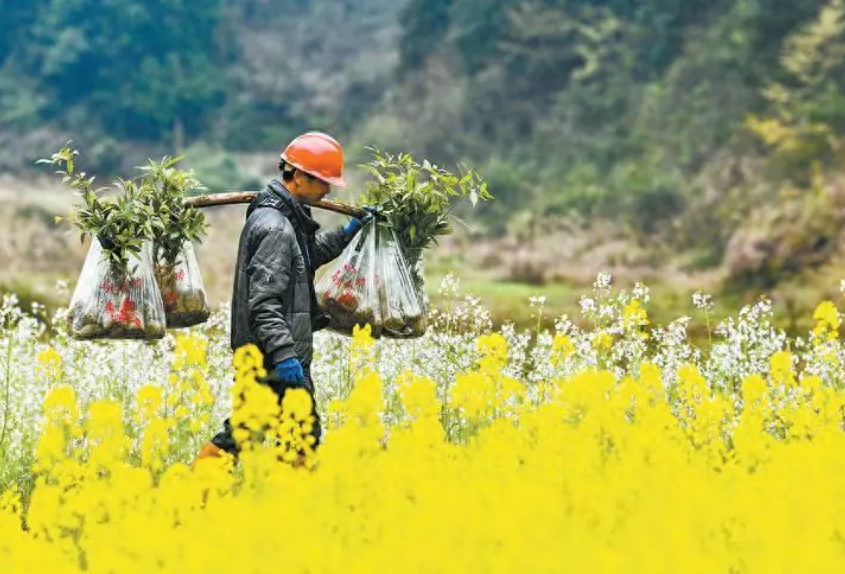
[234,197]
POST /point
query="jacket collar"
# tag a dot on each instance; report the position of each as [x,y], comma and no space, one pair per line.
[276,196]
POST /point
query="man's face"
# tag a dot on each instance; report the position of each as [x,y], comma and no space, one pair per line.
[310,189]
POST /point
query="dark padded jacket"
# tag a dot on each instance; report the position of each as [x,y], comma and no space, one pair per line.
[273,300]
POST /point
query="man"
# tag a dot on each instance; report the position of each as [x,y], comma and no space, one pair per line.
[274,304]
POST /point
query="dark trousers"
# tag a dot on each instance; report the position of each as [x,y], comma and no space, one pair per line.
[224,439]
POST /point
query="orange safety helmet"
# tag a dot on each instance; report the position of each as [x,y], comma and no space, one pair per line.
[317,154]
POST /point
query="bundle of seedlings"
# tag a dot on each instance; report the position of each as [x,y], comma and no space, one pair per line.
[418,201]
[348,293]
[175,228]
[116,296]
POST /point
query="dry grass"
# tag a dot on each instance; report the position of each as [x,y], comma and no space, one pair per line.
[33,249]
[556,252]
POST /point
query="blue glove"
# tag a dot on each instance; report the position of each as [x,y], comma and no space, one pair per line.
[290,371]
[355,225]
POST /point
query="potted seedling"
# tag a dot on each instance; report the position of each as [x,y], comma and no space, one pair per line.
[417,202]
[174,228]
[116,296]
[380,278]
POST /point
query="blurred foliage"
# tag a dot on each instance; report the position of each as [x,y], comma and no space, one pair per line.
[115,63]
[807,106]
[608,109]
[239,74]
[218,169]
[801,227]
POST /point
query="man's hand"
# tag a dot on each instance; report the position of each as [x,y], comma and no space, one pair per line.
[355,225]
[290,371]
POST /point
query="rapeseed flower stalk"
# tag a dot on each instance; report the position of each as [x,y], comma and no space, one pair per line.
[827,318]
[493,349]
[562,349]
[781,369]
[634,315]
[105,435]
[602,341]
[49,364]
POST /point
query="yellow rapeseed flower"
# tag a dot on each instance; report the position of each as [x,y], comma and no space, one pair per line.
[827,321]
[587,473]
[297,404]
[104,431]
[60,404]
[473,393]
[650,378]
[50,447]
[780,366]
[827,313]
[49,363]
[248,359]
[634,315]
[155,443]
[148,401]
[190,351]
[418,395]
[754,389]
[493,349]
[365,400]
[693,386]
[562,349]
[361,346]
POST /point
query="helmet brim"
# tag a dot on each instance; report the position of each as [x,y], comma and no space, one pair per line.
[333,181]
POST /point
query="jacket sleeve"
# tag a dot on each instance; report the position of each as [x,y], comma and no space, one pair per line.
[269,276]
[328,245]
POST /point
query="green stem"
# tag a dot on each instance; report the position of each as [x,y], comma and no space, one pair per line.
[125,371]
[8,385]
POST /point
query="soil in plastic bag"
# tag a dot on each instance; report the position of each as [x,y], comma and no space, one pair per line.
[182,290]
[348,293]
[401,310]
[110,302]
[372,284]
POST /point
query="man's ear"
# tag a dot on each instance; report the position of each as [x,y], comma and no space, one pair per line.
[301,177]
[297,178]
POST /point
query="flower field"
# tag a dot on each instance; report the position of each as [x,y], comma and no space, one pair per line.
[607,444]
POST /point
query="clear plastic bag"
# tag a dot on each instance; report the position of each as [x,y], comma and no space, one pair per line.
[349,291]
[114,303]
[401,311]
[416,265]
[182,290]
[371,284]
